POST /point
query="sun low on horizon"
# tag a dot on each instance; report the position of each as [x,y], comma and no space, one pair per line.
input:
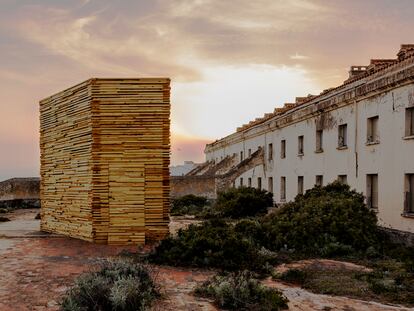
[229,61]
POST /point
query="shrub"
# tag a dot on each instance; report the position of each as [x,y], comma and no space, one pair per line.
[240,291]
[328,221]
[241,202]
[251,229]
[120,285]
[188,205]
[215,244]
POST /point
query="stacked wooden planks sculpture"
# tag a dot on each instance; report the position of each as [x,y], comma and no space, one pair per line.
[105,147]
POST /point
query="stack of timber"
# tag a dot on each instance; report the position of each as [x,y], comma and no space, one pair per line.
[105,148]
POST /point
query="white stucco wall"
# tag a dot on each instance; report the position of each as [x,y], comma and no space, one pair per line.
[391,158]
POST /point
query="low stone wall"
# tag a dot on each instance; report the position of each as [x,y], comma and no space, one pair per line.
[400,237]
[198,185]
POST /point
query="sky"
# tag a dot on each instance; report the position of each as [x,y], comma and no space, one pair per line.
[229,61]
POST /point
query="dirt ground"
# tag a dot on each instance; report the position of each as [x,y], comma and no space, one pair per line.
[37,268]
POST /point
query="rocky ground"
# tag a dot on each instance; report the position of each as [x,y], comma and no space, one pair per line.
[36,268]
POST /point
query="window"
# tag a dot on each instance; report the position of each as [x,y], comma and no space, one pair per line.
[343,179]
[249,152]
[283,149]
[300,145]
[259,183]
[319,180]
[342,136]
[270,152]
[300,184]
[282,188]
[319,141]
[409,194]
[372,191]
[409,121]
[270,184]
[241,182]
[249,182]
[241,156]
[372,130]
[234,184]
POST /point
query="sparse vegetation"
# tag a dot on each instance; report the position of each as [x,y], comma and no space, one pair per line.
[389,282]
[330,221]
[120,285]
[241,291]
[4,219]
[189,205]
[295,276]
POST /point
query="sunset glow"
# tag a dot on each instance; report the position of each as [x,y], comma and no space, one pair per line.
[229,61]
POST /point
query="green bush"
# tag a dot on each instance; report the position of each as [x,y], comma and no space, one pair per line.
[241,202]
[120,285]
[327,221]
[240,291]
[251,229]
[188,205]
[215,244]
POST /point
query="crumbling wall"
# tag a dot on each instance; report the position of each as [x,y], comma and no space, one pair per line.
[198,185]
[226,180]
[213,178]
[19,189]
[20,193]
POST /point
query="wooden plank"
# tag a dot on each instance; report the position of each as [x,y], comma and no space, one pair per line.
[105,146]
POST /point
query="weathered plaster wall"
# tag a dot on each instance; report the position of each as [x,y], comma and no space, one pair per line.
[386,94]
[197,185]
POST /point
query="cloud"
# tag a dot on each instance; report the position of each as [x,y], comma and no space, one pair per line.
[230,95]
[298,57]
[230,61]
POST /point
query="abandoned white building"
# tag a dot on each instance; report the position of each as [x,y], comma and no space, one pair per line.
[361,132]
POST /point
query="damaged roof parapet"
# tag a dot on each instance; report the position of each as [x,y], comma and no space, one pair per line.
[406,50]
[363,80]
